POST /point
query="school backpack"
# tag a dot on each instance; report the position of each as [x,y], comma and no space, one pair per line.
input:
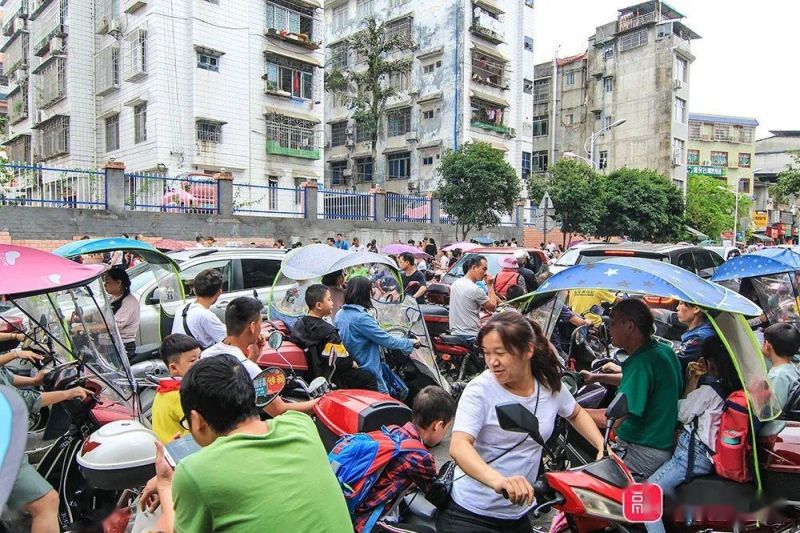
[505,279]
[358,461]
[734,445]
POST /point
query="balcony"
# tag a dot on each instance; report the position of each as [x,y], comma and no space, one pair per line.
[16,22]
[274,147]
[300,39]
[627,22]
[496,128]
[488,68]
[486,33]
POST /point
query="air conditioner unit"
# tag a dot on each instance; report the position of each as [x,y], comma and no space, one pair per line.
[115,28]
[512,132]
[347,173]
[19,24]
[349,143]
[678,85]
[676,160]
[41,116]
[411,136]
[56,45]
[20,76]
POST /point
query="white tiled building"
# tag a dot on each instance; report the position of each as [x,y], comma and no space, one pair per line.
[181,85]
[470,81]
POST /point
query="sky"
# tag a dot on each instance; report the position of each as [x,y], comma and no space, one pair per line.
[747,58]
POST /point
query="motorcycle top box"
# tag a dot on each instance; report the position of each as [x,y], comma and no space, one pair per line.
[350,411]
[120,455]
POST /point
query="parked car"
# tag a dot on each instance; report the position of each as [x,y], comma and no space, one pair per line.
[493,257]
[246,272]
[726,252]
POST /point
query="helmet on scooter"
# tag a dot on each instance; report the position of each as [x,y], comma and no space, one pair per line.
[120,455]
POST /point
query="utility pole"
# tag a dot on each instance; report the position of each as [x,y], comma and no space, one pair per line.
[545,204]
[553,114]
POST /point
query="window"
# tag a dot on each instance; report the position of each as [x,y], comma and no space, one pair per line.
[693,157]
[704,263]
[745,133]
[337,173]
[18,103]
[427,115]
[107,73]
[488,69]
[719,158]
[526,165]
[427,160]
[428,69]
[569,79]
[399,122]
[678,148]
[290,77]
[52,84]
[19,150]
[607,121]
[136,55]
[528,44]
[722,132]
[608,53]
[112,133]
[362,133]
[680,111]
[744,160]
[338,54]
[208,61]
[686,262]
[54,135]
[396,3]
[487,114]
[633,40]
[364,168]
[208,131]
[400,80]
[527,86]
[364,8]
[272,193]
[695,130]
[283,18]
[259,273]
[140,123]
[339,17]
[338,133]
[541,91]
[399,165]
[224,266]
[602,164]
[399,28]
[539,161]
[540,126]
[569,119]
[744,186]
[681,69]
[608,84]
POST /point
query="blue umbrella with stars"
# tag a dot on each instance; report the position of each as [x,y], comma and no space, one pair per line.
[646,276]
[764,263]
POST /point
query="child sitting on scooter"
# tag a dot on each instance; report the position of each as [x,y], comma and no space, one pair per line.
[432,415]
[313,333]
[179,352]
[781,341]
[708,382]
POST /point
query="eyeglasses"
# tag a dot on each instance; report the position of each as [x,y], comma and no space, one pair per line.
[184,422]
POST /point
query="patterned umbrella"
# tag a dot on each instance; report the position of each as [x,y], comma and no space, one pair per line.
[757,264]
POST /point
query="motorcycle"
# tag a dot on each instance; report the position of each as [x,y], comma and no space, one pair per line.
[44,290]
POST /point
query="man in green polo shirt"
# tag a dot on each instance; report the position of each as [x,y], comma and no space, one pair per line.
[652,380]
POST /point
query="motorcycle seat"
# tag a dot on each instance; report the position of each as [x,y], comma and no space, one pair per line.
[434,310]
[145,352]
[457,341]
[713,489]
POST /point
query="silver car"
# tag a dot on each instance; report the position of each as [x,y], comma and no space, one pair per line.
[246,272]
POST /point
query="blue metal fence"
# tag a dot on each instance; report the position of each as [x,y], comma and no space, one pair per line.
[260,200]
[154,192]
[444,217]
[345,205]
[406,208]
[40,186]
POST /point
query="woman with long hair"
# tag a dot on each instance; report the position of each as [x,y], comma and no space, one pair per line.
[522,369]
[362,335]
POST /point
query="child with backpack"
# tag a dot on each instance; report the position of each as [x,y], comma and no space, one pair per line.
[781,341]
[375,469]
[709,381]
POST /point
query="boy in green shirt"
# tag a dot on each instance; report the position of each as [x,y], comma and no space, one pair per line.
[781,341]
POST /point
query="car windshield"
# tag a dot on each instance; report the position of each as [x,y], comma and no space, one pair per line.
[457,270]
[569,258]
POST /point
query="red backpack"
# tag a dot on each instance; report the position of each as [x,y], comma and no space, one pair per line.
[733,458]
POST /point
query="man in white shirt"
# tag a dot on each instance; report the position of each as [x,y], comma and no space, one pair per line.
[200,242]
[356,246]
[196,319]
[467,299]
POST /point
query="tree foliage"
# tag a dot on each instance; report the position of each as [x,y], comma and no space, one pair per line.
[367,90]
[478,186]
[641,204]
[576,193]
[710,205]
[788,183]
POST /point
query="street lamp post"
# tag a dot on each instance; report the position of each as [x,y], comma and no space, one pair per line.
[596,134]
[573,155]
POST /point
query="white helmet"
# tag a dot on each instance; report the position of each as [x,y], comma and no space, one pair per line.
[521,254]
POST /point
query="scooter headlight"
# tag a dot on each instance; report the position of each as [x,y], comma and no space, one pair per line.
[599,506]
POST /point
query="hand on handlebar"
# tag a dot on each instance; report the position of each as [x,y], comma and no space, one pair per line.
[78,393]
[28,355]
[517,489]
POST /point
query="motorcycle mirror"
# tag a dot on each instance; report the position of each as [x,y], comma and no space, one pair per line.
[275,340]
[572,381]
[268,385]
[579,335]
[597,310]
[617,408]
[412,315]
[515,417]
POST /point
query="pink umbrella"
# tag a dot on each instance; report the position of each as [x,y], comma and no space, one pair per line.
[465,246]
[27,271]
[397,249]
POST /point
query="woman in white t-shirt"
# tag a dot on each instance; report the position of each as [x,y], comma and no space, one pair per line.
[523,369]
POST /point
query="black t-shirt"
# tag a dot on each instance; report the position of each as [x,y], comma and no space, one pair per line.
[415,276]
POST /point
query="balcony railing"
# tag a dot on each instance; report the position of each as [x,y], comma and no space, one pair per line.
[274,147]
[489,34]
[300,39]
[629,23]
[497,128]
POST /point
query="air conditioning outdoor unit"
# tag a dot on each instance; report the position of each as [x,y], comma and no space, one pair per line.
[349,143]
[512,132]
[19,24]
[678,85]
[347,173]
[56,45]
[411,136]
[20,76]
[115,28]
[676,160]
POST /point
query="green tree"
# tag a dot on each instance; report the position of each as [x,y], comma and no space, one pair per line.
[710,205]
[478,186]
[641,204]
[536,185]
[367,90]
[788,183]
[576,193]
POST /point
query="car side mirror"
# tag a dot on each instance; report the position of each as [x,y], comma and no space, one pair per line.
[155,297]
[268,385]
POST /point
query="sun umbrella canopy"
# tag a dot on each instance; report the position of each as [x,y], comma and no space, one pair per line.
[762,263]
[646,276]
[483,240]
[25,271]
[464,245]
[397,249]
[316,260]
[93,246]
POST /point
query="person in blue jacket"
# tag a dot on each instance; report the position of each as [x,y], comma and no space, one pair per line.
[699,330]
[361,334]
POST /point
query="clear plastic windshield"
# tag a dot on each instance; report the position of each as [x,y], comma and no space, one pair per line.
[169,287]
[778,297]
[547,312]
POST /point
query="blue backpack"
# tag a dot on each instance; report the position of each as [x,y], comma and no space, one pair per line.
[358,461]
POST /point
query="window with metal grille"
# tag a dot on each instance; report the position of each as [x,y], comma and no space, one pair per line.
[107,70]
[19,150]
[399,28]
[692,157]
[364,8]
[397,3]
[744,160]
[541,91]
[54,135]
[339,17]
[105,12]
[18,103]
[743,134]
[539,161]
[52,83]
[140,123]
[602,164]
[678,147]
[338,133]
[290,132]
[488,69]
[289,76]
[337,172]
[364,170]
[3,77]
[719,158]
[208,131]
[722,132]
[112,133]
[400,80]
[50,22]
[340,99]
[136,55]
[695,130]
[290,18]
[399,122]
[338,54]
[362,134]
[633,40]
[208,61]
[16,53]
[399,165]
[540,125]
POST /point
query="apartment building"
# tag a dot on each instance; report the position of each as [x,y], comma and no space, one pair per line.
[625,101]
[773,155]
[722,147]
[471,81]
[167,86]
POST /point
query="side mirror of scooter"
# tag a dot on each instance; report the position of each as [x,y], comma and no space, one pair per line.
[515,417]
[617,409]
[579,335]
[268,385]
[275,339]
